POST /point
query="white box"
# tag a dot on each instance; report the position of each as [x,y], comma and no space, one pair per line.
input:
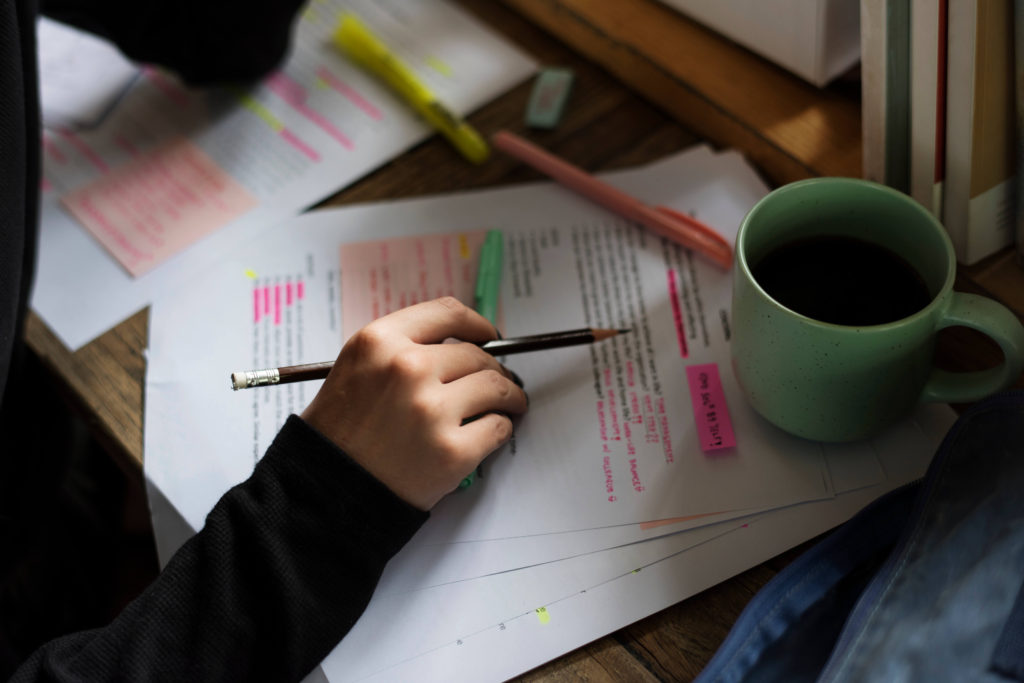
[815,39]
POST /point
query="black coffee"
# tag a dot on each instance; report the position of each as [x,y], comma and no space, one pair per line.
[842,280]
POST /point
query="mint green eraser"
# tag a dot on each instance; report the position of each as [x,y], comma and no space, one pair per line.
[547,101]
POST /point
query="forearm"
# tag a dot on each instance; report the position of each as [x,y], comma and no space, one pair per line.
[283,568]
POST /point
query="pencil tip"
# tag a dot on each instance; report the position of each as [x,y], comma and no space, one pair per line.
[624,331]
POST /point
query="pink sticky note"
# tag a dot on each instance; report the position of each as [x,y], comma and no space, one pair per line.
[152,207]
[379,277]
[714,426]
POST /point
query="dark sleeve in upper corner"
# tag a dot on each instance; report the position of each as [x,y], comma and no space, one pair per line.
[284,566]
[204,41]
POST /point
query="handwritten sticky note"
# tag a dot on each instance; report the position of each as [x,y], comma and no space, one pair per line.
[714,426]
[157,204]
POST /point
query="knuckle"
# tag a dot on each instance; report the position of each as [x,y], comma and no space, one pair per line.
[410,363]
[451,304]
[497,383]
[365,342]
[428,408]
[449,450]
[502,429]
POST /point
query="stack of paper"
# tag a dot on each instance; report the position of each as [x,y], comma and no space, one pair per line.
[610,504]
[170,179]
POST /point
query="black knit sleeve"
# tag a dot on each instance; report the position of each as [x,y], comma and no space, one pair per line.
[284,566]
[204,41]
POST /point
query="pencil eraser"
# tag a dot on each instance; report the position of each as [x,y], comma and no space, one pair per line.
[548,98]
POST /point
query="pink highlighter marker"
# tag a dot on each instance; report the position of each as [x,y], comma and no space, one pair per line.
[674,225]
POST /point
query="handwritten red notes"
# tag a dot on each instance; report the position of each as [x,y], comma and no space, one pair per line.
[714,426]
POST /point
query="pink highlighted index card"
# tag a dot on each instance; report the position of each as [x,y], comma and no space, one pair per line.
[714,426]
[150,208]
[379,277]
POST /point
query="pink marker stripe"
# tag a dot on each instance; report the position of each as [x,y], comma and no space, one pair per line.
[266,301]
[301,286]
[294,94]
[256,305]
[164,85]
[288,293]
[298,144]
[277,304]
[714,426]
[677,315]
[53,150]
[348,91]
[126,145]
[85,150]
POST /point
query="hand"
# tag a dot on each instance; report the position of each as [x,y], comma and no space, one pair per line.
[397,399]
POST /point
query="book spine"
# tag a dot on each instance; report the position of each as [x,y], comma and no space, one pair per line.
[873,60]
[897,96]
[925,95]
[1018,36]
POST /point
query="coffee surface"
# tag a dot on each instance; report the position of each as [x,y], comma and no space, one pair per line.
[842,280]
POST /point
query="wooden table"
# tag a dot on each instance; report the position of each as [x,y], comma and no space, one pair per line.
[723,95]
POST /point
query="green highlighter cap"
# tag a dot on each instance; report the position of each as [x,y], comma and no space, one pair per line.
[549,97]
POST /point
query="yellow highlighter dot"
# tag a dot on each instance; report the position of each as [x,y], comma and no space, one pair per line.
[250,273]
[464,247]
[542,615]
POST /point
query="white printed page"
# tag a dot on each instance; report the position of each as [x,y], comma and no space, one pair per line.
[494,628]
[557,473]
[280,301]
[173,179]
[81,76]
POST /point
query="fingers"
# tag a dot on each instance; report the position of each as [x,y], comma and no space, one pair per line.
[455,360]
[485,392]
[486,434]
[434,321]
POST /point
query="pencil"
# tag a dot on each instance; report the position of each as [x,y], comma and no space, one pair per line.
[497,347]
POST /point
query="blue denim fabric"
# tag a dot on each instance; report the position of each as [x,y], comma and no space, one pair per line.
[945,605]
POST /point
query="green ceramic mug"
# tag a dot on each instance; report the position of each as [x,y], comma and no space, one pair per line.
[834,381]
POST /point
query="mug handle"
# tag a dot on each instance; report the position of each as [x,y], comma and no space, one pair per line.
[1002,326]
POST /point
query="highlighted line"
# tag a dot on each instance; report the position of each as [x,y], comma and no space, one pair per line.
[294,94]
[53,150]
[349,92]
[250,103]
[439,66]
[171,90]
[277,304]
[126,144]
[85,150]
[677,315]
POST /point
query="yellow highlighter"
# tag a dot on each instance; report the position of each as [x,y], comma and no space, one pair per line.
[356,40]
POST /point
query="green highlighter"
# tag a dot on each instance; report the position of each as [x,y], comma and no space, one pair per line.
[488,286]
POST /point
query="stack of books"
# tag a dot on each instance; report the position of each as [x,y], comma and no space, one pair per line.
[938,113]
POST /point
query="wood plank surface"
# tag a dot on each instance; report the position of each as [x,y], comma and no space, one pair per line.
[607,125]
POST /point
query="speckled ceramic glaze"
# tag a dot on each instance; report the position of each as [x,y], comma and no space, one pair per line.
[836,383]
